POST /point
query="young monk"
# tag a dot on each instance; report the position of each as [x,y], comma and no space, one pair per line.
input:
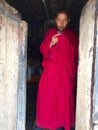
[56,90]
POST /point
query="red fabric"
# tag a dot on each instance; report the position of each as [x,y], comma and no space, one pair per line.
[56,98]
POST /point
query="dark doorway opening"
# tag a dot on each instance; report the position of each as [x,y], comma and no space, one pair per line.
[34,69]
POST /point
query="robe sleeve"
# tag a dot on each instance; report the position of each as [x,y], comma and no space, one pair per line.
[74,40]
[75,44]
[68,59]
[44,47]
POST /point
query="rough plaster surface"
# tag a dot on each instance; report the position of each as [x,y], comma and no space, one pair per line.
[12,48]
[22,65]
[86,55]
[95,103]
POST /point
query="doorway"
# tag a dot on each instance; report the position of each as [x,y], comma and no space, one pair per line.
[34,70]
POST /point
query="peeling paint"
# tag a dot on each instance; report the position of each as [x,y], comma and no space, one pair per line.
[12,68]
[86,67]
[95,103]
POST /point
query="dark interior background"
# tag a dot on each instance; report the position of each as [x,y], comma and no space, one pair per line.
[35,12]
[32,10]
[39,14]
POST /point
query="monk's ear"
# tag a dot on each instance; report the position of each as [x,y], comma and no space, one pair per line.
[68,20]
[55,19]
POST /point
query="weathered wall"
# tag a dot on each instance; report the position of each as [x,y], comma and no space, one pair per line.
[86,72]
[13,33]
[95,98]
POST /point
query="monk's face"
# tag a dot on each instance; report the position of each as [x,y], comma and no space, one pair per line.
[62,21]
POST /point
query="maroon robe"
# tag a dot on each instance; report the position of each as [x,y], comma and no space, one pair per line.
[56,90]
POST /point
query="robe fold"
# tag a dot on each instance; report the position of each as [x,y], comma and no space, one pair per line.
[56,91]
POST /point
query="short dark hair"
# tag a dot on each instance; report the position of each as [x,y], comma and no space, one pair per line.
[64,11]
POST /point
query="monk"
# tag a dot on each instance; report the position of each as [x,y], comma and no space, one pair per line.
[56,91]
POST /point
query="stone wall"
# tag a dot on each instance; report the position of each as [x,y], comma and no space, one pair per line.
[86,71]
[95,98]
[13,34]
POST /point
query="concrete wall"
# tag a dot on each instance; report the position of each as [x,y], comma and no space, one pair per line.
[95,98]
[86,73]
[13,34]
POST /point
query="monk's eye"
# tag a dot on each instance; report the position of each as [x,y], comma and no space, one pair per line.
[65,20]
[58,19]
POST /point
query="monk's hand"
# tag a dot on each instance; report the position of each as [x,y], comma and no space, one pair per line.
[54,40]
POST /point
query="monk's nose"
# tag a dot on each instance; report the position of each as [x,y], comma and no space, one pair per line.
[61,24]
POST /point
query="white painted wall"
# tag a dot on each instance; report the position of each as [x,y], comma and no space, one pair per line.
[86,79]
[13,34]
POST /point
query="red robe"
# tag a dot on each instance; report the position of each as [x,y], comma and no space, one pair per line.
[56,97]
